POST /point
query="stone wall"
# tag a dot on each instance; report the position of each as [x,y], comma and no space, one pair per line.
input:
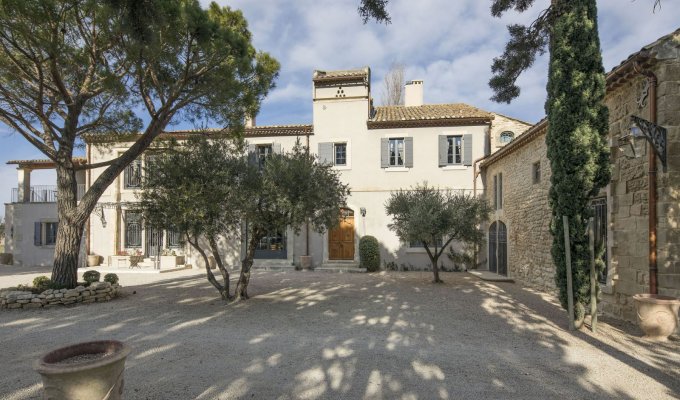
[525,213]
[96,292]
[502,123]
[628,196]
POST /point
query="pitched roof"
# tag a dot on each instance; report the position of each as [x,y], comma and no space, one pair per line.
[342,75]
[428,115]
[42,163]
[256,131]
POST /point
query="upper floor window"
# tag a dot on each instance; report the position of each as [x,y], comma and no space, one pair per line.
[263,151]
[454,154]
[397,152]
[506,137]
[340,153]
[132,177]
[455,150]
[536,172]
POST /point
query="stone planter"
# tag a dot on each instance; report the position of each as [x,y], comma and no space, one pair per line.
[171,261]
[657,315]
[305,262]
[87,378]
[119,261]
[6,258]
[93,260]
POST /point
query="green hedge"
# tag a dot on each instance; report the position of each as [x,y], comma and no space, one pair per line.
[369,253]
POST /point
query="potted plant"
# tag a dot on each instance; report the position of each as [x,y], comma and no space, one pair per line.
[90,370]
[657,315]
[93,260]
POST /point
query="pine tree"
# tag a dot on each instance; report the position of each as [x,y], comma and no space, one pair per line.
[576,139]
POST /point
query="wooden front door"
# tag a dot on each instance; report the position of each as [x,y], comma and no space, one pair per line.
[341,239]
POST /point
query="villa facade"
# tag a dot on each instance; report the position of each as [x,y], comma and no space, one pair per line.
[376,150]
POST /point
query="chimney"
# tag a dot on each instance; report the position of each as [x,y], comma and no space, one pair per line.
[413,95]
[250,122]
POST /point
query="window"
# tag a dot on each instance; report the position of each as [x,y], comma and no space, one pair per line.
[132,176]
[263,151]
[150,165]
[45,233]
[396,152]
[340,151]
[506,137]
[536,172]
[455,150]
[599,210]
[133,229]
[174,238]
[419,245]
[498,191]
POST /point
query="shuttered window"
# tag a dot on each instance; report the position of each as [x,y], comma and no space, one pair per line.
[45,233]
[455,150]
[340,153]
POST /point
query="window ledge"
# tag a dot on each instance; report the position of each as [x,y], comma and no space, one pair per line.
[454,167]
[397,169]
[341,167]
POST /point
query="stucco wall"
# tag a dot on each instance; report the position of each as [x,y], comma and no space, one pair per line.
[19,228]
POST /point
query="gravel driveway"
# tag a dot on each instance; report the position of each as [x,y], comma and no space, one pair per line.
[314,335]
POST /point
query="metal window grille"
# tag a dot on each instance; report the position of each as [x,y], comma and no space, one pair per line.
[341,154]
[133,175]
[397,152]
[174,238]
[133,229]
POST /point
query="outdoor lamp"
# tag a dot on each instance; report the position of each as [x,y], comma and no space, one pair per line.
[642,131]
[362,210]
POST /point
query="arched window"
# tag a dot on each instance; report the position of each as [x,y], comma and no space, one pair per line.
[506,137]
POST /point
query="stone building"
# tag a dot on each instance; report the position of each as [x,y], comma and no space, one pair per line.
[517,179]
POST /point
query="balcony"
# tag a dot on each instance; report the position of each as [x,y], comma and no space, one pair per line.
[44,194]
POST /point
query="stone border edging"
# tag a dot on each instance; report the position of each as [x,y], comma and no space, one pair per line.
[96,292]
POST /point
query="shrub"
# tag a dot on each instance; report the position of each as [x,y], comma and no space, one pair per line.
[42,283]
[111,278]
[91,276]
[369,253]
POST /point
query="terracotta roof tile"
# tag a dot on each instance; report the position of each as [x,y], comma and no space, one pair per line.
[343,74]
[390,115]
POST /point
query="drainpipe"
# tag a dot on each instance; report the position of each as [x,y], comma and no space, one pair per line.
[651,196]
[475,175]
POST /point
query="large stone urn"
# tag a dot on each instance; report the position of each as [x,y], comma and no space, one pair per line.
[657,315]
[84,371]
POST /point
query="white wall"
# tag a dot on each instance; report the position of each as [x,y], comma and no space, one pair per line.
[19,227]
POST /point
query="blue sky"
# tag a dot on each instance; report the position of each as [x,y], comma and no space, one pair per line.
[448,43]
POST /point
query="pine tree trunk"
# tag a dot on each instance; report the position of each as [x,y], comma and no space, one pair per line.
[69,230]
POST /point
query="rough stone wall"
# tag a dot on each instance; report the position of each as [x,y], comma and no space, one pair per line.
[629,267]
[500,124]
[526,214]
[96,292]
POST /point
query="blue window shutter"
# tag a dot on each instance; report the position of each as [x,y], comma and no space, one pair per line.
[276,148]
[326,153]
[443,150]
[384,153]
[467,149]
[37,234]
[408,145]
[252,155]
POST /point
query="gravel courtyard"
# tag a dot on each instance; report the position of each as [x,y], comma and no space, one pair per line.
[314,335]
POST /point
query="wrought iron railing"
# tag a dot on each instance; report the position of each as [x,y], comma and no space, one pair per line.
[43,194]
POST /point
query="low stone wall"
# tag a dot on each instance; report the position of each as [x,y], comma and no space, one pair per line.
[96,292]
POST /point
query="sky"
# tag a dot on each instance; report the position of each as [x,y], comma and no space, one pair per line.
[449,44]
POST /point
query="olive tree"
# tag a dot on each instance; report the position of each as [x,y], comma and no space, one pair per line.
[209,189]
[73,68]
[426,214]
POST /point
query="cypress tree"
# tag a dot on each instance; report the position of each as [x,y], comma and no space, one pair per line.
[576,139]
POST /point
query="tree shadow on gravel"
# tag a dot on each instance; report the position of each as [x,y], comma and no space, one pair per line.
[306,335]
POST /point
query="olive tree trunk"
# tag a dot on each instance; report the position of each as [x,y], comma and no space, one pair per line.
[211,277]
[246,265]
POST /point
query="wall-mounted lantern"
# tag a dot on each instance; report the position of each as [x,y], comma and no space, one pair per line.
[362,210]
[642,131]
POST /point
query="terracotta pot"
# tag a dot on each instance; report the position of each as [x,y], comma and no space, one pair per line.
[657,315]
[100,378]
[92,260]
